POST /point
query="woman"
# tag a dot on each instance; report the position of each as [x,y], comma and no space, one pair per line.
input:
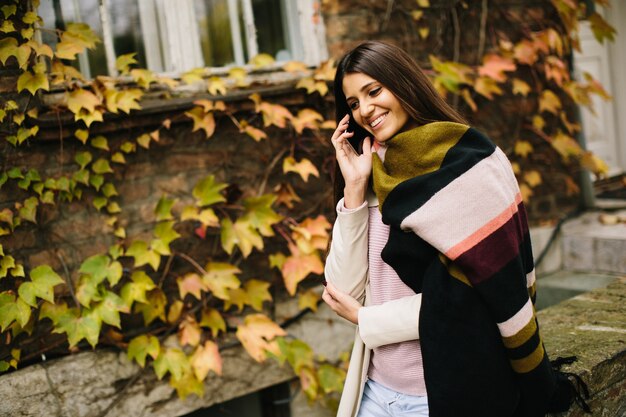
[430,255]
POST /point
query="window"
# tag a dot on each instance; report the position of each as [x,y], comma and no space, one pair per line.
[177,35]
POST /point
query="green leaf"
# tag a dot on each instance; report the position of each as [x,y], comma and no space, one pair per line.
[43,280]
[118,158]
[109,190]
[29,210]
[142,346]
[12,309]
[99,202]
[83,158]
[82,135]
[260,215]
[100,267]
[4,365]
[143,255]
[6,263]
[15,172]
[108,310]
[101,166]
[163,209]
[87,290]
[207,191]
[137,288]
[81,176]
[128,147]
[154,308]
[8,10]
[165,233]
[171,360]
[331,378]
[3,178]
[96,181]
[78,327]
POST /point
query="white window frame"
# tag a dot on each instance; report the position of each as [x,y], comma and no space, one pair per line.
[172,41]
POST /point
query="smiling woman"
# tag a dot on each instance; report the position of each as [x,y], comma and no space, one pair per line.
[430,255]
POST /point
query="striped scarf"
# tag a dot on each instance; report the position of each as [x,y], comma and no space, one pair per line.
[469,254]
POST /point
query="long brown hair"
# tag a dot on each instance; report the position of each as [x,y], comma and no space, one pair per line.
[399,73]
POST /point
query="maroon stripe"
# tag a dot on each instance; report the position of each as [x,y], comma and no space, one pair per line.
[495,251]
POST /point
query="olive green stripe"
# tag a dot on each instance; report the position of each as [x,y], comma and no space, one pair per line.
[530,362]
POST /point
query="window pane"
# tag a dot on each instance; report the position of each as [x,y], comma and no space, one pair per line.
[268,19]
[215,32]
[126,27]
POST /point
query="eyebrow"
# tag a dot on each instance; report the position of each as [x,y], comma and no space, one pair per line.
[364,87]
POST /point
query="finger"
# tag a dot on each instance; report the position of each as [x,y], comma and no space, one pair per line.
[367,146]
[342,126]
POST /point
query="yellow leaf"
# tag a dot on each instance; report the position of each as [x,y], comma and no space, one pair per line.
[32,82]
[423,3]
[424,32]
[532,178]
[240,76]
[313,85]
[308,299]
[242,234]
[220,277]
[173,314]
[304,168]
[253,132]
[539,122]
[75,39]
[143,77]
[274,114]
[294,66]
[212,319]
[516,168]
[467,96]
[82,99]
[520,87]
[193,76]
[8,48]
[216,86]
[566,145]
[202,120]
[262,60]
[257,292]
[526,192]
[238,297]
[144,140]
[548,101]
[417,14]
[594,164]
[487,87]
[306,119]
[523,148]
[123,62]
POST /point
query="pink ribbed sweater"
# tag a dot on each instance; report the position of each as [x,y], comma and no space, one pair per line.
[399,365]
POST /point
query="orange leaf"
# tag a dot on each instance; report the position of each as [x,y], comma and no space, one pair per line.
[253,132]
[304,168]
[525,52]
[298,266]
[494,66]
[191,283]
[206,358]
[189,332]
[274,114]
[286,195]
[256,333]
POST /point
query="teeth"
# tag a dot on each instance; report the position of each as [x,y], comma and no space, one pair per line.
[378,120]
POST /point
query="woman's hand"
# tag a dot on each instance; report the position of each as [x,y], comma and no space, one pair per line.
[341,303]
[355,168]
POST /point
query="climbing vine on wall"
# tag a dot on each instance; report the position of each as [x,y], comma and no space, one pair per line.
[177,322]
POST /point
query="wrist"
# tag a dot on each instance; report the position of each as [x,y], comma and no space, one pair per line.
[353,197]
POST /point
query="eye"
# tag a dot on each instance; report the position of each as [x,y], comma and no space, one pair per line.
[374,91]
[353,105]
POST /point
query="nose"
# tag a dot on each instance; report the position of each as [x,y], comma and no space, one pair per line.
[366,109]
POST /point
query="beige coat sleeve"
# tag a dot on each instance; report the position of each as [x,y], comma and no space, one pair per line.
[394,321]
[346,263]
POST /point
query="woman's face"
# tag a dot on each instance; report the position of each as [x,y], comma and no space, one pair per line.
[374,107]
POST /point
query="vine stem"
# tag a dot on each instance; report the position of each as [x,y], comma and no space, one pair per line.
[268,171]
[457,45]
[483,29]
[68,281]
[166,270]
[192,262]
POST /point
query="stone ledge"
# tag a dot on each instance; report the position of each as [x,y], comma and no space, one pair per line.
[88,383]
[592,326]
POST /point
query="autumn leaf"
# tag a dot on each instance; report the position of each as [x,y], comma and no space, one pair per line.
[331,378]
[220,277]
[286,195]
[193,76]
[262,60]
[237,297]
[255,334]
[257,293]
[164,235]
[274,114]
[594,164]
[154,308]
[172,360]
[566,145]
[202,120]
[32,82]
[74,40]
[100,267]
[308,382]
[538,122]
[523,148]
[525,52]
[77,327]
[143,255]
[143,77]
[174,312]
[532,178]
[600,28]
[294,66]
[207,191]
[12,309]
[189,331]
[494,66]
[259,214]
[212,319]
[306,119]
[137,288]
[123,63]
[240,76]
[216,86]
[487,87]
[308,299]
[206,358]
[43,279]
[450,75]
[143,346]
[242,234]
[548,101]
[108,310]
[253,132]
[304,167]
[526,192]
[520,87]
[191,283]
[298,266]
[312,85]
[467,96]
[82,99]
[186,385]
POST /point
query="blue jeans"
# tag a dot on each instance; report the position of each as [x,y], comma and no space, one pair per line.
[380,401]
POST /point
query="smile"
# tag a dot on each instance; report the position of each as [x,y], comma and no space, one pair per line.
[378,120]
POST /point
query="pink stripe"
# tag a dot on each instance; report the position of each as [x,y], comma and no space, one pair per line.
[485,231]
[516,323]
